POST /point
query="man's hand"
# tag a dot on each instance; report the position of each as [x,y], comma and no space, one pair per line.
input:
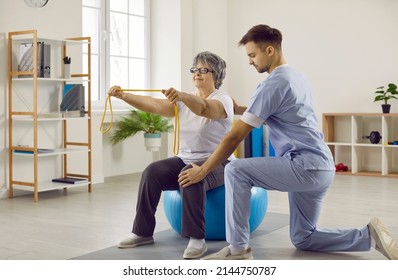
[191,176]
[238,109]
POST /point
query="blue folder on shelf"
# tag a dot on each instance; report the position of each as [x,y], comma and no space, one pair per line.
[73,99]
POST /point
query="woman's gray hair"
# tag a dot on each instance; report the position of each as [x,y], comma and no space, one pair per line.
[216,63]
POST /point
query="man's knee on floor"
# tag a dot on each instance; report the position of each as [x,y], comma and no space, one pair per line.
[301,240]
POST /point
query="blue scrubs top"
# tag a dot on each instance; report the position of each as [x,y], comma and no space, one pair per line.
[283,101]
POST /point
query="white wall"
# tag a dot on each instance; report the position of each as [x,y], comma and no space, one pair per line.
[346,48]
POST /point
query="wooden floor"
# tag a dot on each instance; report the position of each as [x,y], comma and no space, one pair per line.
[69,223]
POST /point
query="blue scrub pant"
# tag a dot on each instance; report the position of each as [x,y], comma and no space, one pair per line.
[306,190]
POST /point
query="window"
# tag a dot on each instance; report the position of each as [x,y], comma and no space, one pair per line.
[119,31]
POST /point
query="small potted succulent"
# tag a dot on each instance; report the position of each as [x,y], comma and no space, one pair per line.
[385,94]
[139,121]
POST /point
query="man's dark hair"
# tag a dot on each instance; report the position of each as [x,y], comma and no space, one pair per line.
[263,34]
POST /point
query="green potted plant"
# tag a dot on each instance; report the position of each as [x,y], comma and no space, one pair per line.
[139,121]
[385,95]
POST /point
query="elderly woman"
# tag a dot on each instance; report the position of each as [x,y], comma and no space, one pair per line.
[205,115]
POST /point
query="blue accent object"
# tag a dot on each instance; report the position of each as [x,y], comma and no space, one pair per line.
[248,145]
[257,142]
[271,151]
[152,135]
[73,99]
[215,210]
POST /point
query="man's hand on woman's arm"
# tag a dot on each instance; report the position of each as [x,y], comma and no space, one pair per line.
[238,109]
[227,146]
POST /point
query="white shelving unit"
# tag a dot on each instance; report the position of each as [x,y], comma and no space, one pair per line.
[31,97]
[344,133]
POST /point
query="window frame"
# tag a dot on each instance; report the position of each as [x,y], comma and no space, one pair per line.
[104,54]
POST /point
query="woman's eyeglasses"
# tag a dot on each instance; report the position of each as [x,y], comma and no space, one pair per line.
[195,70]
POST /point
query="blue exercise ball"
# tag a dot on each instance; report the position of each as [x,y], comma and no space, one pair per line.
[215,210]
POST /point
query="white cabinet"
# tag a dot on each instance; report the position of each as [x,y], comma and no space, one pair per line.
[43,142]
[344,133]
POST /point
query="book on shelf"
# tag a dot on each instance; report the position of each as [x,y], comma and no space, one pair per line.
[40,151]
[70,180]
[46,62]
[25,62]
[43,62]
[72,104]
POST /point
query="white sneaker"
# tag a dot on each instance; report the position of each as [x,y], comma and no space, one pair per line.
[225,254]
[385,244]
[193,253]
[134,241]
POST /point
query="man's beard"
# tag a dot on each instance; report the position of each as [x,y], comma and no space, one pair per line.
[262,70]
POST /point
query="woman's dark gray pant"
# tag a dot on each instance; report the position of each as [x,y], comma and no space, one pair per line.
[161,176]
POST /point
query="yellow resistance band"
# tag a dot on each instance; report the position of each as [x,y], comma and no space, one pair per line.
[176,146]
[108,100]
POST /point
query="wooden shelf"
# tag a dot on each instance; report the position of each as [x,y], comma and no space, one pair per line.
[32,125]
[343,133]
[46,186]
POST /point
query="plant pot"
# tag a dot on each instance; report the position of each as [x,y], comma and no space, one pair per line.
[386,108]
[153,141]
